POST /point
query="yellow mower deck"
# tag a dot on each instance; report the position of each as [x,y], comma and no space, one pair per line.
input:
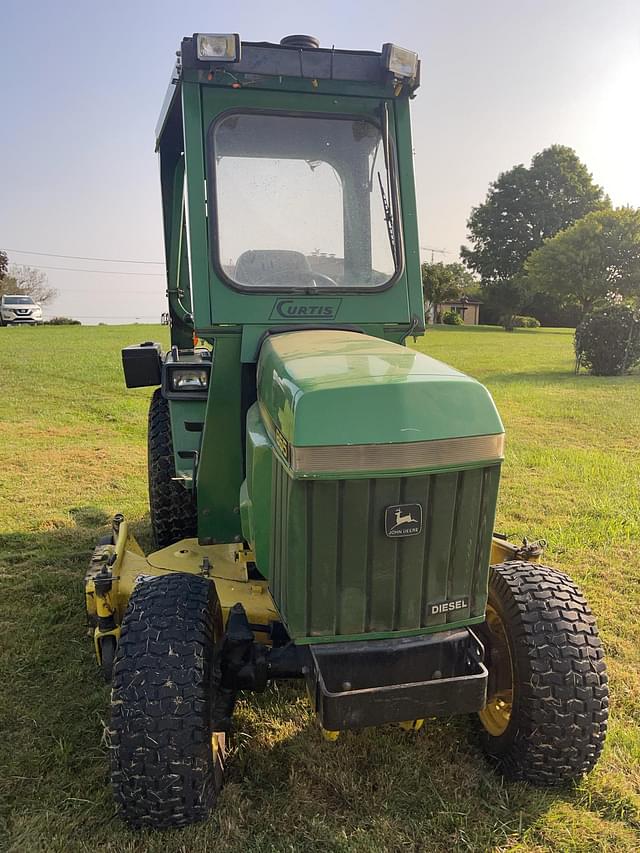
[120,565]
[116,566]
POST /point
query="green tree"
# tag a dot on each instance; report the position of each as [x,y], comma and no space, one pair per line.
[523,208]
[505,299]
[594,258]
[4,265]
[28,281]
[444,281]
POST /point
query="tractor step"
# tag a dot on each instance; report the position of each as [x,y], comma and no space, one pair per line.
[370,683]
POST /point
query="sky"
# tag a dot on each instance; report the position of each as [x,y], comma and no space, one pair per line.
[82,84]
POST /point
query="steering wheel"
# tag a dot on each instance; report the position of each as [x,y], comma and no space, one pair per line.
[314,276]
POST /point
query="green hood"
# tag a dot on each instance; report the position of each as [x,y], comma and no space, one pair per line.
[337,389]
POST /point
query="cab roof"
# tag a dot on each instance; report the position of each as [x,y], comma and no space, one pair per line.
[259,61]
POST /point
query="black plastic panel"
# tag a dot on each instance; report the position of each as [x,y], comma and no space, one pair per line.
[142,364]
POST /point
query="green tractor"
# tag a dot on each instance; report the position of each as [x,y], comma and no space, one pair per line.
[321,496]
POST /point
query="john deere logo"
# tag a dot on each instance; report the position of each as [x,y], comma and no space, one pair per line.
[403,520]
[282,443]
[305,309]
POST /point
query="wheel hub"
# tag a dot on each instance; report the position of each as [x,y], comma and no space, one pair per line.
[496,715]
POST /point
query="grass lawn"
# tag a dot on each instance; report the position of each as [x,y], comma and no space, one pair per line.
[73,452]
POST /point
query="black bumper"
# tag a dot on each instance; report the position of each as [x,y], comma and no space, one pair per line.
[369,683]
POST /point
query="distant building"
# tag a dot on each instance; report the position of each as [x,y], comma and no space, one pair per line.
[468,309]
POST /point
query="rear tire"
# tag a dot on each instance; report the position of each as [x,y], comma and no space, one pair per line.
[163,770]
[541,636]
[173,511]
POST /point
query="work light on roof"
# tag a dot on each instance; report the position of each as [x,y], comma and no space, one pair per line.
[218,47]
[400,61]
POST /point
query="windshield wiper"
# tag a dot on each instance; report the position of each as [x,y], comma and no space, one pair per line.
[388,218]
[386,196]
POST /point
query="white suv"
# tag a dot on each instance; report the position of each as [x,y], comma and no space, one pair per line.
[18,310]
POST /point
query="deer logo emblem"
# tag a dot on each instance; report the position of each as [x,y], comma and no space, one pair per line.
[403,520]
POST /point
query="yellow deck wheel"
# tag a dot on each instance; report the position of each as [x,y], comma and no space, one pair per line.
[411,725]
[329,735]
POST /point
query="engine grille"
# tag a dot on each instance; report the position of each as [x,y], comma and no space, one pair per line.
[336,573]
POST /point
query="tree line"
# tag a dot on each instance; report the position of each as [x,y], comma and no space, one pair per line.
[20,280]
[546,242]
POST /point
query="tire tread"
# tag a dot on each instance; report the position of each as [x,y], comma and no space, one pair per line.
[172,508]
[162,772]
[560,712]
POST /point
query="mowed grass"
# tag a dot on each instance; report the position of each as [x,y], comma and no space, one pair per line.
[73,452]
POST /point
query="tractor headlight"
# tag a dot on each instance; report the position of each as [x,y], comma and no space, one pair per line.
[186,379]
[400,61]
[218,47]
[189,379]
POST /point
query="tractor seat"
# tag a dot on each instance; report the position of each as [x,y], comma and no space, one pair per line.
[269,267]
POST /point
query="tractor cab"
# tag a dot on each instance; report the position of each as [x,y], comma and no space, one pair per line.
[322,497]
[289,204]
[287,176]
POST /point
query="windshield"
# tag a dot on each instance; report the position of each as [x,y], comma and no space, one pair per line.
[302,202]
[18,300]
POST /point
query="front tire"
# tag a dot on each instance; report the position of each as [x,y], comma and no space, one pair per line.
[173,511]
[546,715]
[164,769]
